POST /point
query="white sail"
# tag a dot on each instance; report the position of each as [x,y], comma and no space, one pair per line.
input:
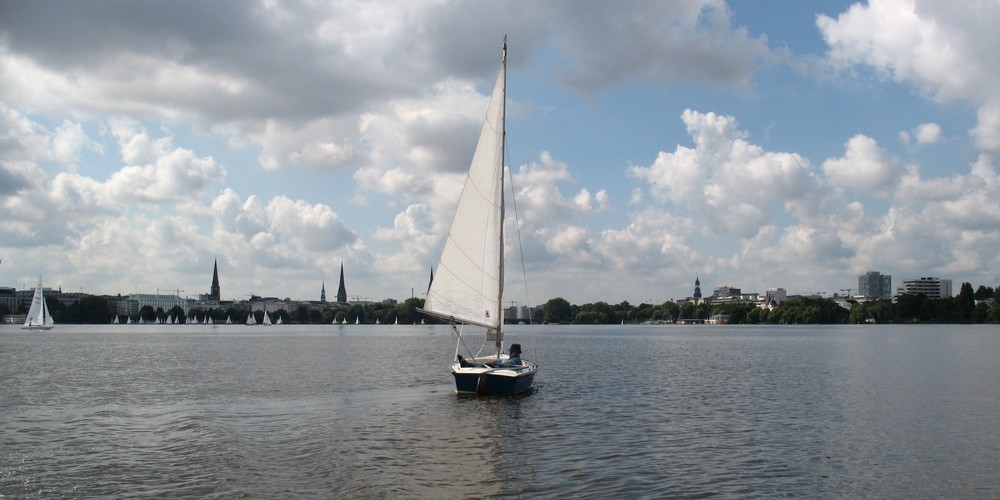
[267,319]
[251,320]
[38,314]
[468,283]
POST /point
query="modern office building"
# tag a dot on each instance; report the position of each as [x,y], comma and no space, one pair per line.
[776,295]
[933,288]
[875,285]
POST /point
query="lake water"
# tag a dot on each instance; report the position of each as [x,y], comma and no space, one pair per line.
[617,411]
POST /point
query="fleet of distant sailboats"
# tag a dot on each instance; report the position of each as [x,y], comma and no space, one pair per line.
[207,320]
[39,318]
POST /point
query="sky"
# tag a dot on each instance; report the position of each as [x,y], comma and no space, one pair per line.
[749,144]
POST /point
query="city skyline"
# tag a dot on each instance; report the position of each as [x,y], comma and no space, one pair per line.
[755,145]
[881,289]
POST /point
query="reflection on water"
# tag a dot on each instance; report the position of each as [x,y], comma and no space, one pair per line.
[363,411]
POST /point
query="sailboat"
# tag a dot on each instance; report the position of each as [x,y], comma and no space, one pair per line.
[38,314]
[468,286]
[267,319]
[251,320]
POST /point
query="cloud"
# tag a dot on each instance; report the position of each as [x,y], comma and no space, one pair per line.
[691,40]
[865,167]
[165,173]
[306,83]
[945,52]
[730,183]
[927,133]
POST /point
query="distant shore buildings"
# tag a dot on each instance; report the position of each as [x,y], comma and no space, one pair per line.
[872,285]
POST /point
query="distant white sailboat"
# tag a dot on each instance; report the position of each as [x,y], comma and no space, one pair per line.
[267,319]
[115,321]
[38,314]
[229,320]
[251,320]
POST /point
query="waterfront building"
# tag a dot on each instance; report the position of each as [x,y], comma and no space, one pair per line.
[8,297]
[875,285]
[776,295]
[933,288]
[134,303]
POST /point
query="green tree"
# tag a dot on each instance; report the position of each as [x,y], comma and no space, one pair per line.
[966,303]
[558,310]
[147,313]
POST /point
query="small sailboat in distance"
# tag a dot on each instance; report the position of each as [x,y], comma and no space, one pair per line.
[38,314]
[468,286]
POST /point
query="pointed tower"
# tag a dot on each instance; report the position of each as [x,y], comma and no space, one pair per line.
[322,292]
[216,293]
[342,292]
[697,289]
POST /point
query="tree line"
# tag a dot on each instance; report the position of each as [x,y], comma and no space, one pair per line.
[906,308]
[94,309]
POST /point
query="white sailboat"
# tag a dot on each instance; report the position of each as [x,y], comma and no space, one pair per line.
[251,320]
[38,314]
[267,319]
[468,286]
[278,322]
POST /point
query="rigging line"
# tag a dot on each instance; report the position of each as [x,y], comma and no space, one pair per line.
[520,244]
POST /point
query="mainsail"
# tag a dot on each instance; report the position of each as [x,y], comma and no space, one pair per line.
[468,284]
[38,314]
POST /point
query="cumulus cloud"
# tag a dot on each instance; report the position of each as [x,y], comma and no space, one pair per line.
[168,173]
[942,51]
[864,167]
[731,183]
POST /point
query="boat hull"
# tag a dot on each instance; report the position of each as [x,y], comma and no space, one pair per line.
[493,381]
[37,327]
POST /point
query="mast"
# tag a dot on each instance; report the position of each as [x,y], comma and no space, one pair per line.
[503,162]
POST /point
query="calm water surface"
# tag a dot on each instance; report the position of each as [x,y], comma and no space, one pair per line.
[618,411]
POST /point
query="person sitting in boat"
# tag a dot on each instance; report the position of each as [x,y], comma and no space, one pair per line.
[513,360]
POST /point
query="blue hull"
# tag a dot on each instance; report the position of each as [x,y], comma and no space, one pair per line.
[488,384]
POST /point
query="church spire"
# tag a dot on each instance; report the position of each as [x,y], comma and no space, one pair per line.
[216,292]
[342,291]
[322,292]
[697,287]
